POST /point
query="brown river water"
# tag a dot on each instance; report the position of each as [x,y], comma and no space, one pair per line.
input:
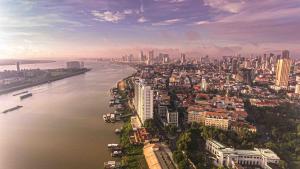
[61,125]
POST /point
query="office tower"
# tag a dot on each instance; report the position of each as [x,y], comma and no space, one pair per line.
[246,75]
[18,66]
[143,101]
[166,58]
[234,66]
[143,57]
[150,57]
[282,72]
[285,54]
[182,58]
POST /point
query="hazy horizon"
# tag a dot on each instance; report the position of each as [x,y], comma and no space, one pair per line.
[68,29]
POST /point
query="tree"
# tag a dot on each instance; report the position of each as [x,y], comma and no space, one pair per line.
[183,165]
[178,156]
[283,164]
[149,124]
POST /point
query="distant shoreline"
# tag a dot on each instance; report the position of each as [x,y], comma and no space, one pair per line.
[24,86]
[6,62]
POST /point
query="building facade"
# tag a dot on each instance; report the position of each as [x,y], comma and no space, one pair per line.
[282,72]
[218,120]
[230,157]
[172,118]
[143,101]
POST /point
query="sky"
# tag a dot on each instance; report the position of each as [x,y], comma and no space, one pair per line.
[111,28]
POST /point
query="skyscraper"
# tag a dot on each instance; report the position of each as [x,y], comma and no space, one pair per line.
[285,54]
[283,70]
[18,66]
[150,57]
[143,57]
[234,67]
[143,101]
[182,58]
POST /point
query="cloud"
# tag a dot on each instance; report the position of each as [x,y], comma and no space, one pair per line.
[128,11]
[108,16]
[231,6]
[142,19]
[170,1]
[201,22]
[167,22]
[259,15]
[176,1]
[142,6]
[46,20]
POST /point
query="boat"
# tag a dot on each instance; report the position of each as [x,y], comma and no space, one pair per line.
[112,118]
[104,117]
[112,101]
[116,153]
[112,164]
[12,109]
[117,131]
[113,145]
[109,118]
[20,93]
[25,96]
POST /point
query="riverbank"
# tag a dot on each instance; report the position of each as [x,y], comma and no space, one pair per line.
[132,157]
[43,81]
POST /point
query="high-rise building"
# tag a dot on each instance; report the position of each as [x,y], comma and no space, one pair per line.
[143,101]
[166,58]
[136,94]
[182,58]
[234,67]
[246,75]
[143,57]
[18,66]
[285,54]
[282,72]
[150,57]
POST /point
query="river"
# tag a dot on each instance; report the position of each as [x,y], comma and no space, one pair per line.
[61,125]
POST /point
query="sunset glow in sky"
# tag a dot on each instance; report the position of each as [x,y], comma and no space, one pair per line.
[107,28]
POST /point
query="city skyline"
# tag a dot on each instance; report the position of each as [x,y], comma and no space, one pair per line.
[106,28]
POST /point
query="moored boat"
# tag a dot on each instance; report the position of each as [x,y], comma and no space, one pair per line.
[25,96]
[112,164]
[12,109]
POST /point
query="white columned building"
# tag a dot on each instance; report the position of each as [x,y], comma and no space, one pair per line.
[230,157]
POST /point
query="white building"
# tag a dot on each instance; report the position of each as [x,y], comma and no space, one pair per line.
[143,101]
[203,84]
[136,94]
[230,157]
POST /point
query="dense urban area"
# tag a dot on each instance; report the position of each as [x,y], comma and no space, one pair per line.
[235,112]
[187,113]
